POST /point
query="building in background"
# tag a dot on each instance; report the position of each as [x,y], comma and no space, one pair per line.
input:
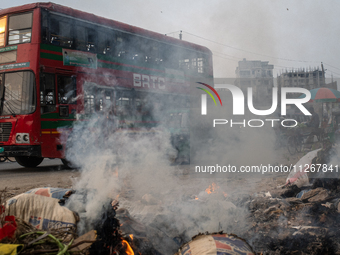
[258,75]
[311,78]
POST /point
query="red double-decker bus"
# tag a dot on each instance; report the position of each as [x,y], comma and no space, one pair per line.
[59,65]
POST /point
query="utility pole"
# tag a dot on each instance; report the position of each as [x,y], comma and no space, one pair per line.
[323,70]
[180,35]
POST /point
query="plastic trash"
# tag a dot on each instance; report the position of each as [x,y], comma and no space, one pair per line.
[298,174]
[8,228]
[299,195]
[10,249]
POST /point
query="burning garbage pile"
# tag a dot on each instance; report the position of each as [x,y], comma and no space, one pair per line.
[158,214]
[43,223]
[301,217]
[169,222]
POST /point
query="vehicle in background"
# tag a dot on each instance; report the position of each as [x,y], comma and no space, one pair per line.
[59,65]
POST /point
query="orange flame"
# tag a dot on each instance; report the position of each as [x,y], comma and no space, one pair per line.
[212,188]
[131,236]
[116,172]
[128,250]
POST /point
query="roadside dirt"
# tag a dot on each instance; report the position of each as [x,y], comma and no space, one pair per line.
[51,173]
[17,179]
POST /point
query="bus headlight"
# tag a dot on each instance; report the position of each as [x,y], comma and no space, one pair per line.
[22,138]
[26,138]
[18,138]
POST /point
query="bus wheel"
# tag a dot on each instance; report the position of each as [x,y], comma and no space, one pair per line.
[68,164]
[29,161]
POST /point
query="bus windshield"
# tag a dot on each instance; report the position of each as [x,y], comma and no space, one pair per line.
[17,92]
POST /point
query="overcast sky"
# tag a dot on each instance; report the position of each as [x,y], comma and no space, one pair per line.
[288,34]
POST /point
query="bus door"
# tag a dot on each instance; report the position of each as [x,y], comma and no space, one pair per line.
[58,100]
[104,101]
[97,99]
[99,103]
[124,108]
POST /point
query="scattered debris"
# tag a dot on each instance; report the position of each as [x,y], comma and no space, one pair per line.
[85,241]
[316,195]
[303,218]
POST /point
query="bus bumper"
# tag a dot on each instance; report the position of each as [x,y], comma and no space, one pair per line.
[22,150]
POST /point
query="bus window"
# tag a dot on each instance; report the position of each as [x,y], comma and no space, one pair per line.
[18,94]
[67,91]
[2,89]
[108,100]
[99,105]
[151,51]
[185,61]
[104,43]
[192,61]
[3,22]
[97,99]
[129,48]
[61,31]
[47,93]
[44,27]
[170,56]
[184,64]
[91,40]
[181,59]
[124,103]
[20,28]
[89,100]
[86,37]
[124,47]
[100,100]
[80,38]
[198,65]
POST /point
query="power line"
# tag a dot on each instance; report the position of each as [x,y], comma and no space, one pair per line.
[229,57]
[332,66]
[285,59]
[222,55]
[333,72]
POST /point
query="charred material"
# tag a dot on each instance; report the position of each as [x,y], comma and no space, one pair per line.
[303,244]
[109,236]
[305,223]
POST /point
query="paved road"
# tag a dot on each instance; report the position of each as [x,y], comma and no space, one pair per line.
[46,164]
[18,179]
